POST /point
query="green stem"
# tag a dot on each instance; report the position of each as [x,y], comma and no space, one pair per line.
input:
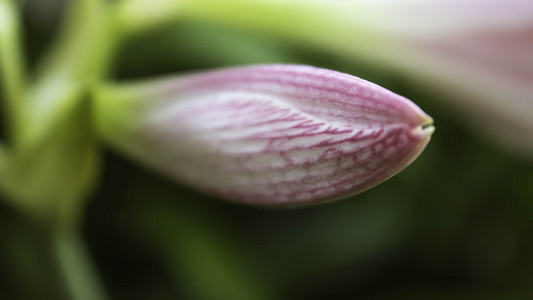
[12,69]
[79,59]
[76,268]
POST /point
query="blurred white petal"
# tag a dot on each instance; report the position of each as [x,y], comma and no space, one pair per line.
[478,53]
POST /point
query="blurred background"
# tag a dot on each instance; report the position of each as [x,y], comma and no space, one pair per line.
[456,224]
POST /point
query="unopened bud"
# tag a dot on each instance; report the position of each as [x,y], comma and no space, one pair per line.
[270,135]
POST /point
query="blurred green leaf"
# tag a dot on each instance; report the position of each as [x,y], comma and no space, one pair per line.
[199,251]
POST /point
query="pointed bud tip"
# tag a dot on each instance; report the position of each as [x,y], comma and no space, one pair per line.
[426,127]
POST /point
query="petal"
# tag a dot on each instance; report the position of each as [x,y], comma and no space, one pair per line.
[275,134]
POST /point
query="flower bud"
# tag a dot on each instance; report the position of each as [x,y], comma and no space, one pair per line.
[271,135]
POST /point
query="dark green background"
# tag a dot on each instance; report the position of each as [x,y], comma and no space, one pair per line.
[456,224]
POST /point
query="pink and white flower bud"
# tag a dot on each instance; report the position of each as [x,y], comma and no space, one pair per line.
[273,134]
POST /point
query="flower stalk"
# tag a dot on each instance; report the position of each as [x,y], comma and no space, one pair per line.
[78,60]
[75,266]
[12,70]
[50,167]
